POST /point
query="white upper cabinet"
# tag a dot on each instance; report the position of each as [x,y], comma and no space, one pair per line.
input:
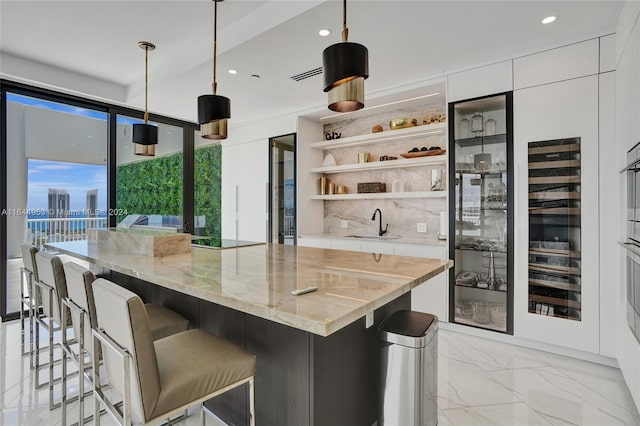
[482,81]
[573,61]
[608,53]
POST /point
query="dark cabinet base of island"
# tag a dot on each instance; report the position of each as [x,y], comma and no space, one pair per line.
[302,378]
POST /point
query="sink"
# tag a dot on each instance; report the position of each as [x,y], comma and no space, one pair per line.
[373,237]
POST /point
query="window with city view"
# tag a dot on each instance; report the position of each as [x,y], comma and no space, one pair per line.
[65,199]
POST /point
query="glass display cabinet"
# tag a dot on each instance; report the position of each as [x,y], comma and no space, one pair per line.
[554,228]
[481,212]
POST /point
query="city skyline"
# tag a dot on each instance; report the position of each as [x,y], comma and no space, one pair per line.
[77,179]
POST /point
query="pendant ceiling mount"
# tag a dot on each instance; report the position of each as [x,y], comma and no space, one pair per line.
[346,66]
[145,136]
[214,111]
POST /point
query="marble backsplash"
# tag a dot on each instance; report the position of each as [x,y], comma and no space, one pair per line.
[402,215]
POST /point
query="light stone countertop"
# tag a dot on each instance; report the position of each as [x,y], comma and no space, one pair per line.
[258,279]
[372,237]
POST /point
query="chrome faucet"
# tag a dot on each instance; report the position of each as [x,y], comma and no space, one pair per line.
[381,231]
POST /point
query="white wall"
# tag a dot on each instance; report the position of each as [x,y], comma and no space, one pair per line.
[627,135]
[245,176]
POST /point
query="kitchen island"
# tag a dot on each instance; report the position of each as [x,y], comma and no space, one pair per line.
[317,353]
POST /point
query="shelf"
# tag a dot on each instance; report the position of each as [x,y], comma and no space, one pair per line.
[481,289]
[577,288]
[490,326]
[481,251]
[554,148]
[571,211]
[555,315]
[554,195]
[553,179]
[378,165]
[554,164]
[390,135]
[476,172]
[381,195]
[555,252]
[554,269]
[555,301]
[486,140]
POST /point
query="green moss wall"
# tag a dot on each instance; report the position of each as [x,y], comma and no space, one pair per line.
[154,186]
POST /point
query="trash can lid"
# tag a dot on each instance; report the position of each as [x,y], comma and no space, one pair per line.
[408,323]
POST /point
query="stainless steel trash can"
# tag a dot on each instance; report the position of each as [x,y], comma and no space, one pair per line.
[409,369]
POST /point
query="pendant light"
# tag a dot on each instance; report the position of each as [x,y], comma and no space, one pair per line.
[145,136]
[213,110]
[346,66]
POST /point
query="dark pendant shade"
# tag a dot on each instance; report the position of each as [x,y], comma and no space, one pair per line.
[343,62]
[145,134]
[213,108]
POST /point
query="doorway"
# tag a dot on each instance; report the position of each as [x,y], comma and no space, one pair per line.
[282,189]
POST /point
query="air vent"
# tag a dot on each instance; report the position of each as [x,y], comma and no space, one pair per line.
[307,74]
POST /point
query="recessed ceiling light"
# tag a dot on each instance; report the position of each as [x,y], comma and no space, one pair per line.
[324,32]
[548,19]
[232,71]
[90,136]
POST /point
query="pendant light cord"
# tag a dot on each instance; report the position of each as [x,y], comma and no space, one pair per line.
[345,30]
[146,84]
[215,42]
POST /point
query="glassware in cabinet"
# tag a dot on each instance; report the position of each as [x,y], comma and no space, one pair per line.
[481,213]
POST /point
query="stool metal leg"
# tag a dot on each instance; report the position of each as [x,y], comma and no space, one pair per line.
[252,414]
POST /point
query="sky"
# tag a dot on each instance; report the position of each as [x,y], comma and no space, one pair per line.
[77,179]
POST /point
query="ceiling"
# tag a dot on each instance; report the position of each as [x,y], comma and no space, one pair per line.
[408,42]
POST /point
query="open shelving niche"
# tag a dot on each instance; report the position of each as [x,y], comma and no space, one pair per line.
[416,103]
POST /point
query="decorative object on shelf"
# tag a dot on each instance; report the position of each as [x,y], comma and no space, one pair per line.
[323,185]
[442,231]
[465,129]
[346,66]
[402,123]
[329,160]
[481,312]
[145,136]
[332,136]
[477,123]
[434,119]
[371,187]
[490,127]
[467,278]
[363,157]
[491,271]
[377,129]
[436,180]
[214,111]
[397,186]
[387,157]
[341,189]
[425,153]
[331,188]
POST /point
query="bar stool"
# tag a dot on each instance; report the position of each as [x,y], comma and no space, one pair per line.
[50,287]
[159,379]
[81,306]
[28,274]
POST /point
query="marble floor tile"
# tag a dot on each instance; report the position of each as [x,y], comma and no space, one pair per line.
[480,383]
[517,413]
[559,397]
[489,355]
[464,385]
